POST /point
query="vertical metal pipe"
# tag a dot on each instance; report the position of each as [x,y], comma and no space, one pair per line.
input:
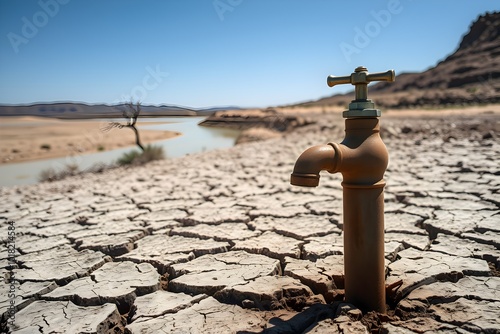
[364,246]
[362,159]
[364,162]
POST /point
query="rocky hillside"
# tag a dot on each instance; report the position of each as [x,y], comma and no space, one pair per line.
[470,75]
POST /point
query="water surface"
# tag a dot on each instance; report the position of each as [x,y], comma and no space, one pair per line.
[194,139]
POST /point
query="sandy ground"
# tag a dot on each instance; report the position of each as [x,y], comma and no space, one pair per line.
[486,109]
[33,138]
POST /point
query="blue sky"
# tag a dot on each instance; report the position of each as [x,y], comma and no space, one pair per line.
[203,53]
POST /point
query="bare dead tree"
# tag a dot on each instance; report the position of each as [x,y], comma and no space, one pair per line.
[131,113]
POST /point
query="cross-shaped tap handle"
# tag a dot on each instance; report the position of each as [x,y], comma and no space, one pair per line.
[360,79]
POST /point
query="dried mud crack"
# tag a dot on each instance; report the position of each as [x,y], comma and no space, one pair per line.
[220,242]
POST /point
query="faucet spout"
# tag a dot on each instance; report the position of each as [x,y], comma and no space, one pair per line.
[312,161]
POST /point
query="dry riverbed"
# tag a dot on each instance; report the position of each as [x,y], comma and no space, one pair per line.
[220,242]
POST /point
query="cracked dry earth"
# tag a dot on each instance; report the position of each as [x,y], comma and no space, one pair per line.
[221,243]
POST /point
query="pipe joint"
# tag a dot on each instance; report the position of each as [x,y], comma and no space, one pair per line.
[364,155]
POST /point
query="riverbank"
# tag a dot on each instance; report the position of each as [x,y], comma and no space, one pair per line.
[30,138]
[259,124]
[409,112]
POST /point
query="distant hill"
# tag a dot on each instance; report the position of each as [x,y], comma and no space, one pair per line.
[68,110]
[470,75]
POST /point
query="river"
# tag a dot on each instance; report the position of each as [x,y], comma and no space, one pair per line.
[194,139]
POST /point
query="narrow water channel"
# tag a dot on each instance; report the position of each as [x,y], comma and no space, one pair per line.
[194,139]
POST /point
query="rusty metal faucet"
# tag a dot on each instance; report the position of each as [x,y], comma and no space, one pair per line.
[362,159]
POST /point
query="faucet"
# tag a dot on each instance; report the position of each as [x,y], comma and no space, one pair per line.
[362,160]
